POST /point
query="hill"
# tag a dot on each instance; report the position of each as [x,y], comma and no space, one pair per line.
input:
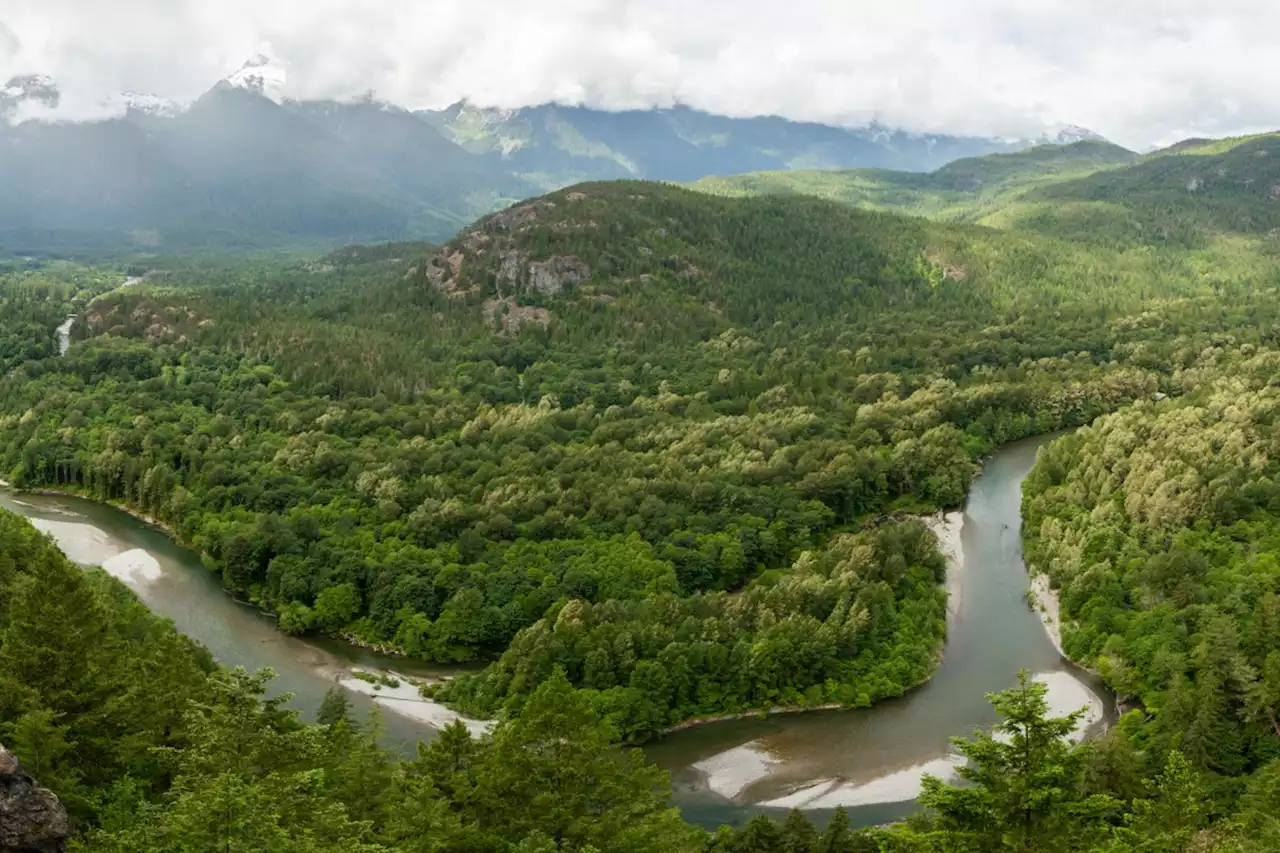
[1188,195]
[961,190]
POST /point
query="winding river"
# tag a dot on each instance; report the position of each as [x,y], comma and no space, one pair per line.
[867,760]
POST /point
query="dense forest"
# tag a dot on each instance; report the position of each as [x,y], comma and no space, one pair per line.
[652,455]
[1159,525]
[150,746]
[760,374]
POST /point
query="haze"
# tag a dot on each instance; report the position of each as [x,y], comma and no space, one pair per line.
[1140,73]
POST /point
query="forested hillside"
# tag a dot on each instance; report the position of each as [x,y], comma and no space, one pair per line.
[635,447]
[622,401]
[1193,196]
[963,190]
[1160,526]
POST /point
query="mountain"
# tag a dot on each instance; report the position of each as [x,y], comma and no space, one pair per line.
[238,168]
[245,165]
[553,145]
[963,189]
[27,88]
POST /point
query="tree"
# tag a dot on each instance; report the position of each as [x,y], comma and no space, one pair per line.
[334,708]
[798,834]
[1026,788]
[1167,823]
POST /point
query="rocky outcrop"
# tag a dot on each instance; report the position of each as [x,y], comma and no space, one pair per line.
[514,217]
[554,275]
[32,820]
[547,277]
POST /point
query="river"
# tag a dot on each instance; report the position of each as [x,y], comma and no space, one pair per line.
[868,760]
[179,587]
[871,760]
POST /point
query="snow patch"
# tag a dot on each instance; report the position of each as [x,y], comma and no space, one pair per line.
[263,75]
[135,567]
[731,772]
[147,104]
[407,701]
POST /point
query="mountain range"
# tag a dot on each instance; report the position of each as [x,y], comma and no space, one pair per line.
[243,165]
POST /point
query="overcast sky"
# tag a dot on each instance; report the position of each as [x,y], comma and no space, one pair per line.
[1138,71]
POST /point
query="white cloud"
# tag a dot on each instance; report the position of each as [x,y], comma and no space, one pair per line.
[1139,71]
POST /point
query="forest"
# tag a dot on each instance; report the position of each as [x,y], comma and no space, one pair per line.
[651,455]
[150,746]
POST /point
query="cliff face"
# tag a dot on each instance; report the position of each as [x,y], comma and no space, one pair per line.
[32,820]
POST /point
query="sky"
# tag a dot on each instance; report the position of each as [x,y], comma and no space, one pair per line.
[1141,72]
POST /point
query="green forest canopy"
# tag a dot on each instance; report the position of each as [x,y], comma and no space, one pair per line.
[601,432]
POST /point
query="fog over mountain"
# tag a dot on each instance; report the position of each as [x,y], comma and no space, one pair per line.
[1139,73]
[244,164]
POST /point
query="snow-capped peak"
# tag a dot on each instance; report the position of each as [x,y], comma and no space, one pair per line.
[1072,133]
[28,88]
[263,75]
[148,104]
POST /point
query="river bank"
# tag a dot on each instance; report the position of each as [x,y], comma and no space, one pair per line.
[872,760]
[407,700]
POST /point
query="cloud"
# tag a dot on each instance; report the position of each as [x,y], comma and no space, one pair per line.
[1140,72]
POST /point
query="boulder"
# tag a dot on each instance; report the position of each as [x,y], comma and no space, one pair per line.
[32,819]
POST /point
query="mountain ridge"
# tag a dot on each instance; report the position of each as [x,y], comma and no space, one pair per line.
[244,165]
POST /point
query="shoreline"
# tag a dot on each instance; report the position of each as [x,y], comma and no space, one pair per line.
[1044,600]
[122,507]
[946,525]
[406,699]
[176,538]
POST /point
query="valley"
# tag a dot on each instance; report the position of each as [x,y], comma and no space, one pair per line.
[629,455]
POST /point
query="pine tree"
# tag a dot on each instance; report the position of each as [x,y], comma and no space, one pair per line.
[334,707]
[1026,783]
[837,837]
[798,834]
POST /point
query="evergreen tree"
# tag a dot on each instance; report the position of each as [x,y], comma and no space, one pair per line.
[1026,790]
[334,708]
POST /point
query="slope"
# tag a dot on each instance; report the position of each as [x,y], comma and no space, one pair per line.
[964,189]
[554,145]
[237,169]
[1187,196]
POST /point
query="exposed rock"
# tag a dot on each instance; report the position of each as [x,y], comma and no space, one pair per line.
[547,277]
[32,820]
[552,276]
[509,220]
[474,240]
[512,264]
[511,316]
[443,269]
[576,196]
